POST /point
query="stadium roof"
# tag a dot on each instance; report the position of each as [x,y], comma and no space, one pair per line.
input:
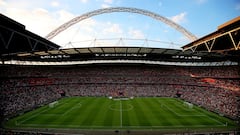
[120,53]
[14,38]
[226,40]
[16,43]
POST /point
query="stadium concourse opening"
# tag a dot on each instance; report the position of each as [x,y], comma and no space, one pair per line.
[47,90]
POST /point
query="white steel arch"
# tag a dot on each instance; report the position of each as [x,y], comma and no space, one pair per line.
[77,19]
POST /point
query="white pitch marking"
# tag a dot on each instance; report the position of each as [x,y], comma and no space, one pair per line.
[35,115]
[121,113]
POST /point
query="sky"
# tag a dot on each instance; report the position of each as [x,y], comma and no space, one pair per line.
[200,17]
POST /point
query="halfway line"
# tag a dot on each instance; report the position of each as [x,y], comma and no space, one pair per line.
[121,113]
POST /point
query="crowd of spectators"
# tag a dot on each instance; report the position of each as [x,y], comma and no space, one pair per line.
[17,99]
[215,99]
[215,72]
[26,87]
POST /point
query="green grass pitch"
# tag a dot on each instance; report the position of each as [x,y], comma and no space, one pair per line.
[134,114]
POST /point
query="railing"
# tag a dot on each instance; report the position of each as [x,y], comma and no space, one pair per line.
[122,42]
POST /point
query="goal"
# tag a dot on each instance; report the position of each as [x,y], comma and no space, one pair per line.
[187,104]
[53,104]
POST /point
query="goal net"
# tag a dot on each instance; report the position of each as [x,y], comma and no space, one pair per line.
[121,98]
[187,104]
[53,104]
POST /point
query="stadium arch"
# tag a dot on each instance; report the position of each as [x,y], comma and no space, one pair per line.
[158,17]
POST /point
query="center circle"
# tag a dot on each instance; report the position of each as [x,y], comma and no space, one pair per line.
[116,107]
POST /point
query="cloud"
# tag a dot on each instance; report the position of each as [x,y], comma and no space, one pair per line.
[37,20]
[105,6]
[83,1]
[88,25]
[64,16]
[138,34]
[84,30]
[180,18]
[42,21]
[108,1]
[55,4]
[112,28]
[84,34]
[2,3]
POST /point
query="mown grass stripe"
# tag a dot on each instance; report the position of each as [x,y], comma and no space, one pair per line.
[141,113]
[75,113]
[152,111]
[167,118]
[125,115]
[108,115]
[99,119]
[131,118]
[33,116]
[182,113]
[90,111]
[66,116]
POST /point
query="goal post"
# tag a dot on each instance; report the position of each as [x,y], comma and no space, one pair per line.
[53,104]
[187,104]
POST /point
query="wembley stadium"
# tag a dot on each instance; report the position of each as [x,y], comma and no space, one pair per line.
[46,89]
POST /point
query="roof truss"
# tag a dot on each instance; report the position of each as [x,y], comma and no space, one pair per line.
[14,38]
[226,38]
[217,42]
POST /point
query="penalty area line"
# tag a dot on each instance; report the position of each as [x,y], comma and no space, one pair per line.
[198,115]
[79,105]
[35,115]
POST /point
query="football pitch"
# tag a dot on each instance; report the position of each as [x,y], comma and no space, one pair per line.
[102,113]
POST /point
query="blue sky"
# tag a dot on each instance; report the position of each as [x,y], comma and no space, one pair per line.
[200,17]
